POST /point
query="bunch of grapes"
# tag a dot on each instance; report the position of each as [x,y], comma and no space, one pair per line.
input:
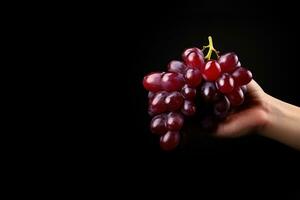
[172,95]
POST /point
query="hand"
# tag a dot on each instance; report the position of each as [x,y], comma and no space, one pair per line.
[265,114]
[252,117]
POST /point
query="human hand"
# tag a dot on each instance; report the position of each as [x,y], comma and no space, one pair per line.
[252,116]
[265,114]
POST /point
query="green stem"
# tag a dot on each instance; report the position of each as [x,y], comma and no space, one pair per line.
[211,48]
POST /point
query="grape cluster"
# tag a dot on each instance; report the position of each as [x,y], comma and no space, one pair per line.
[171,97]
[172,94]
[226,86]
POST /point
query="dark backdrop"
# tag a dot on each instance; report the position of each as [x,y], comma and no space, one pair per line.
[265,41]
[147,35]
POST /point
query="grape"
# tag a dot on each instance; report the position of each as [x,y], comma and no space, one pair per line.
[152,82]
[209,91]
[188,108]
[211,71]
[225,83]
[193,77]
[188,92]
[158,103]
[176,66]
[194,58]
[221,107]
[236,97]
[174,121]
[158,124]
[228,62]
[172,81]
[170,140]
[174,101]
[242,76]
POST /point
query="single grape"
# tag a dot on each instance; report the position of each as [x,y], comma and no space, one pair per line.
[188,92]
[152,82]
[188,108]
[194,58]
[158,124]
[225,83]
[211,71]
[170,140]
[228,62]
[236,97]
[221,107]
[174,121]
[172,81]
[158,104]
[193,77]
[174,101]
[177,66]
[208,92]
[242,76]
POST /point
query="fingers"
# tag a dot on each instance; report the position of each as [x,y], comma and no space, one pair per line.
[241,123]
[248,119]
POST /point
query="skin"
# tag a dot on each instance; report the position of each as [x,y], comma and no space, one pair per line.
[265,114]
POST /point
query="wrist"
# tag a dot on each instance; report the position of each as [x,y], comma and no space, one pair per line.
[267,116]
[282,122]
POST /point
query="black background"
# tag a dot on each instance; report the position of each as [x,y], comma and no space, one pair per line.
[264,39]
[143,37]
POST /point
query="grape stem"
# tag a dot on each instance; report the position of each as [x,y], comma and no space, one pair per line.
[211,49]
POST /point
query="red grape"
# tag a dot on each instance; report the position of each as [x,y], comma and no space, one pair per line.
[152,82]
[174,121]
[174,101]
[194,58]
[188,108]
[242,76]
[172,81]
[209,91]
[158,103]
[236,97]
[225,83]
[211,71]
[188,92]
[170,140]
[193,77]
[158,124]
[176,66]
[228,62]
